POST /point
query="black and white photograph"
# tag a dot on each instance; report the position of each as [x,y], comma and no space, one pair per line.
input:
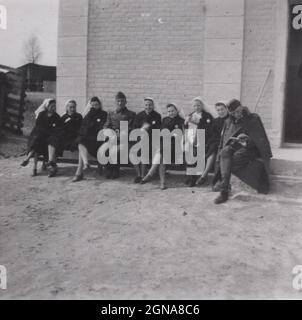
[150,150]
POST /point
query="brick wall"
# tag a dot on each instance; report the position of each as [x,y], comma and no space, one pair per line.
[171,50]
[259,56]
[146,47]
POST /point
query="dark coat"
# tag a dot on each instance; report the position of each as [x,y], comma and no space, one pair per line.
[92,123]
[206,123]
[253,125]
[46,129]
[153,119]
[172,124]
[71,125]
[214,140]
[256,173]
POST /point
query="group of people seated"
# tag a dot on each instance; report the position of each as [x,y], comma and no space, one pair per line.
[235,142]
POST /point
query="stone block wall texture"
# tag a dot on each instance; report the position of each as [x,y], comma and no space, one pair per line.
[259,57]
[72,53]
[224,33]
[146,48]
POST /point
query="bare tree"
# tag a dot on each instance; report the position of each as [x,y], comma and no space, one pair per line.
[32,49]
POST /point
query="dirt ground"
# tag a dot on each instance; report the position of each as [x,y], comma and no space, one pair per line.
[101,239]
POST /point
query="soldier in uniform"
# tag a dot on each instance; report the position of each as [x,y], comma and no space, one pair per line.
[244,151]
[147,120]
[92,123]
[172,122]
[121,113]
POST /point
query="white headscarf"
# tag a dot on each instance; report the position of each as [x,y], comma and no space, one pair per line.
[200,100]
[43,106]
[67,102]
[179,110]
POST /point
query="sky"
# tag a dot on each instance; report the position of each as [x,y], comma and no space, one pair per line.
[24,18]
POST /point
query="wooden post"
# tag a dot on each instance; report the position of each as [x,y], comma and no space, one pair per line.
[14,106]
[3,87]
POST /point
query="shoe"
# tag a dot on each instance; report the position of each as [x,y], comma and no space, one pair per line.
[217,187]
[137,180]
[188,180]
[24,163]
[108,171]
[86,167]
[44,166]
[223,197]
[146,179]
[192,182]
[115,172]
[77,177]
[100,169]
[201,181]
[163,186]
[52,170]
[34,173]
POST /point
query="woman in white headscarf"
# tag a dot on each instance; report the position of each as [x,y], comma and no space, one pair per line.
[71,124]
[43,106]
[47,125]
[198,119]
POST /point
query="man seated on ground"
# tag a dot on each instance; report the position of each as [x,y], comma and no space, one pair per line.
[244,151]
[114,119]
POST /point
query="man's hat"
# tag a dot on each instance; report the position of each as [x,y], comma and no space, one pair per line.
[149,99]
[233,105]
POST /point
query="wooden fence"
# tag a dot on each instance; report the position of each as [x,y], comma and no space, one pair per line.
[3,89]
[13,101]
